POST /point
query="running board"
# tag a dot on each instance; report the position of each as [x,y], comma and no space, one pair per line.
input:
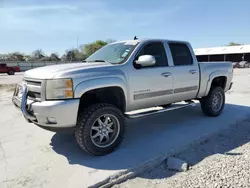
[151,112]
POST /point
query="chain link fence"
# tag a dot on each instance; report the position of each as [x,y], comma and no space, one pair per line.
[27,65]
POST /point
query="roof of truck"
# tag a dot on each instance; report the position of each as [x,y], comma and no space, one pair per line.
[223,50]
[145,40]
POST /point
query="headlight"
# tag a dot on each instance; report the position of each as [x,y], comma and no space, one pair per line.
[59,89]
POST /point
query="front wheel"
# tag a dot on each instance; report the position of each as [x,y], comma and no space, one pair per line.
[100,129]
[213,103]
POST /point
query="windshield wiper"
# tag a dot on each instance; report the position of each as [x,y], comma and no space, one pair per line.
[97,60]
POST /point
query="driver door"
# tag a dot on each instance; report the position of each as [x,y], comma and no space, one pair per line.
[151,86]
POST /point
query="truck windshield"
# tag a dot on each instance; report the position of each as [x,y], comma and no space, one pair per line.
[113,53]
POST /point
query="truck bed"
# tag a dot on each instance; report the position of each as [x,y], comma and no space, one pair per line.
[206,76]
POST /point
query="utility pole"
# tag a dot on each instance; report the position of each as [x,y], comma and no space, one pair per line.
[77,45]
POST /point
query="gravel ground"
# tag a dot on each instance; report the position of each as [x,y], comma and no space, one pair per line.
[220,161]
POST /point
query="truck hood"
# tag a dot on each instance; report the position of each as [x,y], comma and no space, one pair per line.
[49,72]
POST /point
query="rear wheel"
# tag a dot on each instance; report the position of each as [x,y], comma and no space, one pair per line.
[100,129]
[213,103]
[11,72]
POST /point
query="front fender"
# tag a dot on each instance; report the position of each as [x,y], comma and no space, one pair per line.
[98,83]
[212,76]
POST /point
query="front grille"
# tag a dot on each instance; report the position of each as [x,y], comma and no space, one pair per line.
[34,96]
[34,89]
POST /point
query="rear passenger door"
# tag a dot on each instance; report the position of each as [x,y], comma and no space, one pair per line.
[185,72]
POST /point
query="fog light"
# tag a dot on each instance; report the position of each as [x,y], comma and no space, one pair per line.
[51,120]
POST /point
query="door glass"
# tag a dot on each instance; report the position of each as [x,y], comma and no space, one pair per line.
[157,50]
[181,54]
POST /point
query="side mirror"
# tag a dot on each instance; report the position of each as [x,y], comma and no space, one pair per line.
[146,60]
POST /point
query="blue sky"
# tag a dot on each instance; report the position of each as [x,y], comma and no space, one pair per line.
[53,25]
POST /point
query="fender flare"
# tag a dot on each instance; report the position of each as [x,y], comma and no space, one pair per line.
[99,83]
[212,76]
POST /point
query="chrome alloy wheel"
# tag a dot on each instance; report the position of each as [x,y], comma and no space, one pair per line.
[105,130]
[217,101]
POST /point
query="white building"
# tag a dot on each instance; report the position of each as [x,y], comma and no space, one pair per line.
[227,53]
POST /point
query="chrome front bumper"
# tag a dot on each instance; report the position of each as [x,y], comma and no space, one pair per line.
[56,113]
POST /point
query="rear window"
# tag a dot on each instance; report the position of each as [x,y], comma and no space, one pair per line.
[181,54]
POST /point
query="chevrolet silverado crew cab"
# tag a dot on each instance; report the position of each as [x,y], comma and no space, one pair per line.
[95,96]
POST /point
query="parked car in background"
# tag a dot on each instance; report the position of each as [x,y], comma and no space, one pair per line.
[244,64]
[247,65]
[9,70]
[235,64]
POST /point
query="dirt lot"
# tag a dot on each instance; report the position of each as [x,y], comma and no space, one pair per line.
[32,157]
[13,79]
[219,161]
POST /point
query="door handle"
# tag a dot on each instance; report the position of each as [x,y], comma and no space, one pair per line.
[192,71]
[166,74]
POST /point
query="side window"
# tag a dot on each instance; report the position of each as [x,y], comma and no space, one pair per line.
[157,50]
[181,54]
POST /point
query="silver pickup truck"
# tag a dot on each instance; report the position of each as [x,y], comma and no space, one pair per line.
[95,96]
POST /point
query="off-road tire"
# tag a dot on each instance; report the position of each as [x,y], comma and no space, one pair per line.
[85,120]
[206,102]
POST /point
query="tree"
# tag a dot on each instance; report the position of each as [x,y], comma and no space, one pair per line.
[70,55]
[74,55]
[16,56]
[233,44]
[2,57]
[89,49]
[45,58]
[37,55]
[54,57]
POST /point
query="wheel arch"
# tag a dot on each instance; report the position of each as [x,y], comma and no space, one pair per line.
[218,78]
[112,91]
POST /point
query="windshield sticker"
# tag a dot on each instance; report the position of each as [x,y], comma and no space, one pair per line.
[125,54]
